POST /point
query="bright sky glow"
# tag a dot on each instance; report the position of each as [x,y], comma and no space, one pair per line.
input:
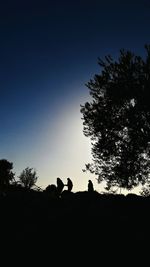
[60,150]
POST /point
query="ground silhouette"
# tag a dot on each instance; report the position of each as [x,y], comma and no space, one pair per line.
[84,223]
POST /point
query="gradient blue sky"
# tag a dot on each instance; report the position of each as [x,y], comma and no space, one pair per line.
[48,51]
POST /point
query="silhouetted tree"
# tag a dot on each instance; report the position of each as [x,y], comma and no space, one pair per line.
[117,119]
[90,186]
[28,178]
[6,174]
[69,184]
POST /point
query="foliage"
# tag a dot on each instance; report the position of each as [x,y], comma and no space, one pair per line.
[117,119]
[145,191]
[6,174]
[28,178]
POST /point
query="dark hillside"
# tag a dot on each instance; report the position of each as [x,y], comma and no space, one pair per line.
[82,223]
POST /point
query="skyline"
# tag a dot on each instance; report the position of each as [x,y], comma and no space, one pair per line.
[48,51]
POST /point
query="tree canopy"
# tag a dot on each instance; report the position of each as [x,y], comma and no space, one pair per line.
[6,174]
[117,119]
[28,178]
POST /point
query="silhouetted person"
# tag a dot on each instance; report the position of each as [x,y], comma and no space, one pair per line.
[90,186]
[69,184]
[60,186]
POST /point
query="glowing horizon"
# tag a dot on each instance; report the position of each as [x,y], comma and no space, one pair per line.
[59,149]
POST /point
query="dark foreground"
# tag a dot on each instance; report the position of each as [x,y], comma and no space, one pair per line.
[77,226]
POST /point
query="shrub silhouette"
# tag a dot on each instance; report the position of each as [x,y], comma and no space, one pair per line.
[28,178]
[51,190]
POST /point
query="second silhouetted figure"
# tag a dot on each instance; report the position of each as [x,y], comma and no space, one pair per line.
[69,184]
[90,186]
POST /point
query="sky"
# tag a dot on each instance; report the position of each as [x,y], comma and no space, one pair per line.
[48,51]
